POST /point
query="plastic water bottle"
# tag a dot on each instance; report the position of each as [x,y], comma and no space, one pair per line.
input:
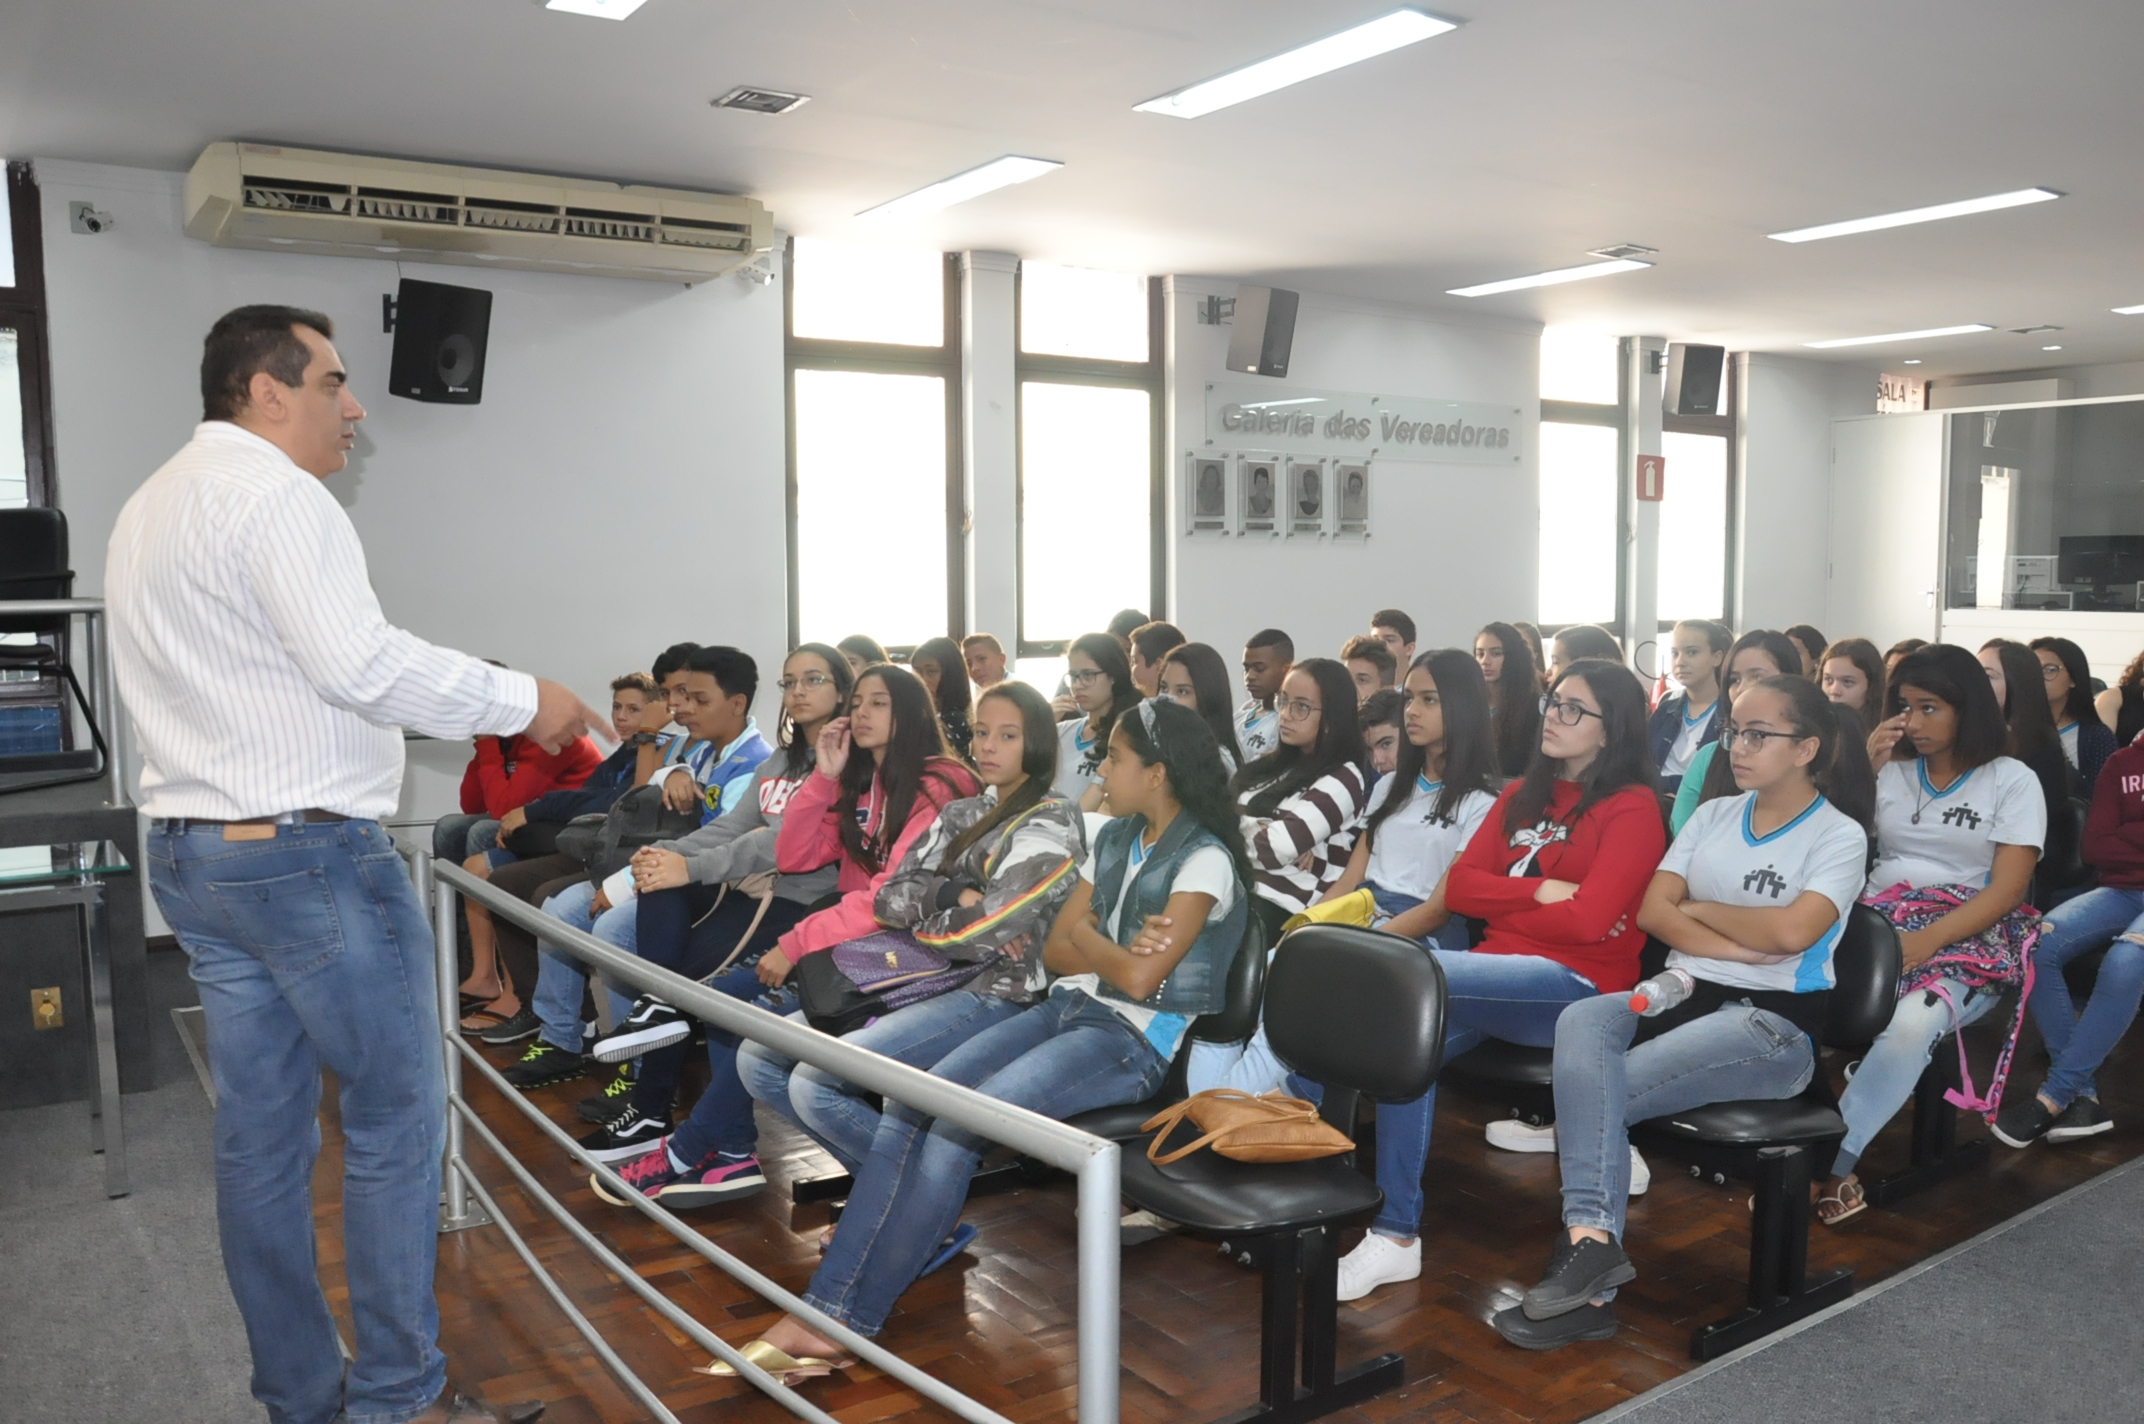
[1662,992]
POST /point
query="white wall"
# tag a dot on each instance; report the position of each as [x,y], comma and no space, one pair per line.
[1453,545]
[619,488]
[1787,406]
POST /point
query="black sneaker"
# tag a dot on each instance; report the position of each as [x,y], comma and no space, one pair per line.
[629,1134]
[2083,1118]
[543,1065]
[513,1030]
[651,1025]
[2024,1122]
[602,1107]
[1577,1272]
[1588,1322]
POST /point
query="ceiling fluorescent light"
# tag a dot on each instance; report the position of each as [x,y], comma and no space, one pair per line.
[600,9]
[1897,336]
[1918,215]
[1366,41]
[2127,311]
[1550,279]
[997,173]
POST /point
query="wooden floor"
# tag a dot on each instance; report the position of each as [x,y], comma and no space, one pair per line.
[999,1323]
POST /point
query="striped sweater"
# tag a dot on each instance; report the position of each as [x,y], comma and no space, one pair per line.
[1300,851]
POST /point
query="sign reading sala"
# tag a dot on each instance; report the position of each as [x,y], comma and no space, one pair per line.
[1351,423]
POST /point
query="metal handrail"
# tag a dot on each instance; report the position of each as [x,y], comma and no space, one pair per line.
[1093,1160]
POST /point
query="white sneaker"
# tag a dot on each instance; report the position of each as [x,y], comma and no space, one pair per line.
[1378,1261]
[1512,1135]
[1641,1176]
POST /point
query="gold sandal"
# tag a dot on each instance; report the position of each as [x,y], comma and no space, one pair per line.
[784,1367]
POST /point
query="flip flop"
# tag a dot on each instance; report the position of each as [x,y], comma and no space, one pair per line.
[473,1001]
[954,1245]
[784,1367]
[478,1017]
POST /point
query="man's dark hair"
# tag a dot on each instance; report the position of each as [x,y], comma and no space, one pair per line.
[1373,651]
[670,659]
[1127,621]
[732,669]
[1397,621]
[250,339]
[1272,638]
[1156,640]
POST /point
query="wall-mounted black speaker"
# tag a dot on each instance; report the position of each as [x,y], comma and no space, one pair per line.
[1693,379]
[440,333]
[1264,333]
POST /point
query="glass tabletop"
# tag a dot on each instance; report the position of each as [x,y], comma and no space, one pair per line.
[56,864]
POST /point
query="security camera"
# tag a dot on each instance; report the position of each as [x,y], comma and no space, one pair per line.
[81,217]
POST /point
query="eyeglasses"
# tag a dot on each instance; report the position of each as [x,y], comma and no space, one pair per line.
[1296,707]
[2051,671]
[1570,714]
[1084,676]
[810,680]
[1751,740]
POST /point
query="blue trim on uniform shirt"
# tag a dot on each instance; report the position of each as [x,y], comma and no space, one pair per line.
[1749,822]
[1813,971]
[1921,765]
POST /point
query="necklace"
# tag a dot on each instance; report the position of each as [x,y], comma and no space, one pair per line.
[1921,803]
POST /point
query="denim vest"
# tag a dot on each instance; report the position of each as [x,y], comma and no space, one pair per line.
[1198,983]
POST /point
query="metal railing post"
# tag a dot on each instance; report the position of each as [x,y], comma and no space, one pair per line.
[1100,1206]
[455,1213]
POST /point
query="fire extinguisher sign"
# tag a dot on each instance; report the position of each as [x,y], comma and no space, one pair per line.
[1653,478]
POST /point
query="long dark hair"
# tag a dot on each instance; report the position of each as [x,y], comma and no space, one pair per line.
[1863,655]
[953,695]
[914,754]
[1590,641]
[1952,675]
[2078,707]
[1208,672]
[1038,760]
[1185,747]
[1517,700]
[1108,655]
[1285,770]
[797,753]
[1469,738]
[1785,653]
[864,646]
[1626,756]
[1840,769]
[2033,738]
[1812,644]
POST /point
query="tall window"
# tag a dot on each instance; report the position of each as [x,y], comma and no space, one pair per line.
[1697,513]
[874,498]
[1581,416]
[25,403]
[1089,374]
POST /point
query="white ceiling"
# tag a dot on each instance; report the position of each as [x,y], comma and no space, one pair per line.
[1539,129]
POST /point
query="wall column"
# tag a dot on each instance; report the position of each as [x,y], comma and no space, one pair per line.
[991,436]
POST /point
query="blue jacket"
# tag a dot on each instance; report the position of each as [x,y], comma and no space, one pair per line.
[1198,983]
[1665,726]
[612,776]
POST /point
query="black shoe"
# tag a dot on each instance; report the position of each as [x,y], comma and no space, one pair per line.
[454,1407]
[651,1025]
[2024,1122]
[513,1030]
[1577,1272]
[543,1065]
[1588,1322]
[629,1134]
[602,1107]
[2083,1118]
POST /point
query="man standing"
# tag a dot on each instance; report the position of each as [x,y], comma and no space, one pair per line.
[236,584]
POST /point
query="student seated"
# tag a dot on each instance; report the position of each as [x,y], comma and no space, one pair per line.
[1581,640]
[862,650]
[1102,691]
[1150,643]
[1122,624]
[1396,630]
[1756,655]
[1751,900]
[1558,869]
[1532,634]
[1382,718]
[1850,671]
[1143,947]
[985,659]
[1898,650]
[1509,667]
[1195,676]
[2122,705]
[1689,719]
[1301,802]
[1810,644]
[982,887]
[1370,664]
[1266,660]
[2086,741]
[937,661]
[1959,827]
[506,773]
[2015,674]
[2067,1103]
[881,778]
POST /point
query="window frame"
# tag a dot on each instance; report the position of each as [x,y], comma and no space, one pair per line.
[1150,376]
[23,310]
[1568,412]
[1724,426]
[811,353]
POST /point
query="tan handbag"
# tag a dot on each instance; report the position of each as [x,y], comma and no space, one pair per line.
[1266,1128]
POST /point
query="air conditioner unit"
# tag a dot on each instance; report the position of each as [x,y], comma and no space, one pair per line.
[346,205]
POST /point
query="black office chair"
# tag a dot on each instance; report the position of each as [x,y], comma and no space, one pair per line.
[2062,865]
[1783,1145]
[1363,1014]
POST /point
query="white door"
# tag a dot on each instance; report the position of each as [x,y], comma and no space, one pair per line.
[1886,527]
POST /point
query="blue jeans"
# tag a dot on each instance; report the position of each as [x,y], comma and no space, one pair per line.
[1452,934]
[1066,1055]
[836,1113]
[311,951]
[560,978]
[1886,1077]
[721,1119]
[461,834]
[2077,1044]
[1603,1085]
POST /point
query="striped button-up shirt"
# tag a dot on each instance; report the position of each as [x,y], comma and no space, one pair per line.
[251,652]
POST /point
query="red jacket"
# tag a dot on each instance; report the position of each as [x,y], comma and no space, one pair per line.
[1610,853]
[2114,831]
[810,837]
[488,786]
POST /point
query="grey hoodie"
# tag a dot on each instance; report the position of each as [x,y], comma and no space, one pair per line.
[740,842]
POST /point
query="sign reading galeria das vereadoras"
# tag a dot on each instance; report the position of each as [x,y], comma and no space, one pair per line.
[1345,423]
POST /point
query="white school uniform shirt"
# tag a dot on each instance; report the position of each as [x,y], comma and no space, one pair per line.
[1206,871]
[1078,760]
[1726,862]
[1414,847]
[1960,827]
[2069,743]
[252,654]
[1685,744]
[1257,729]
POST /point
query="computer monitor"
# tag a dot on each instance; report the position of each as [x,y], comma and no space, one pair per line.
[2100,559]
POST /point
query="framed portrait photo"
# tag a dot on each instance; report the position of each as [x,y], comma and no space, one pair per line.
[1351,499]
[1205,496]
[1258,494]
[1307,498]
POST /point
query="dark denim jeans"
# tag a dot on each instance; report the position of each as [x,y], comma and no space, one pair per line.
[311,951]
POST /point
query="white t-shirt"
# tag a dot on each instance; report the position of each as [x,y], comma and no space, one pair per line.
[1206,871]
[1726,862]
[1078,759]
[1685,744]
[1954,840]
[1257,730]
[1413,848]
[2069,742]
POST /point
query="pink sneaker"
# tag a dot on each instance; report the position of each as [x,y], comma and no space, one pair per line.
[647,1174]
[712,1181]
